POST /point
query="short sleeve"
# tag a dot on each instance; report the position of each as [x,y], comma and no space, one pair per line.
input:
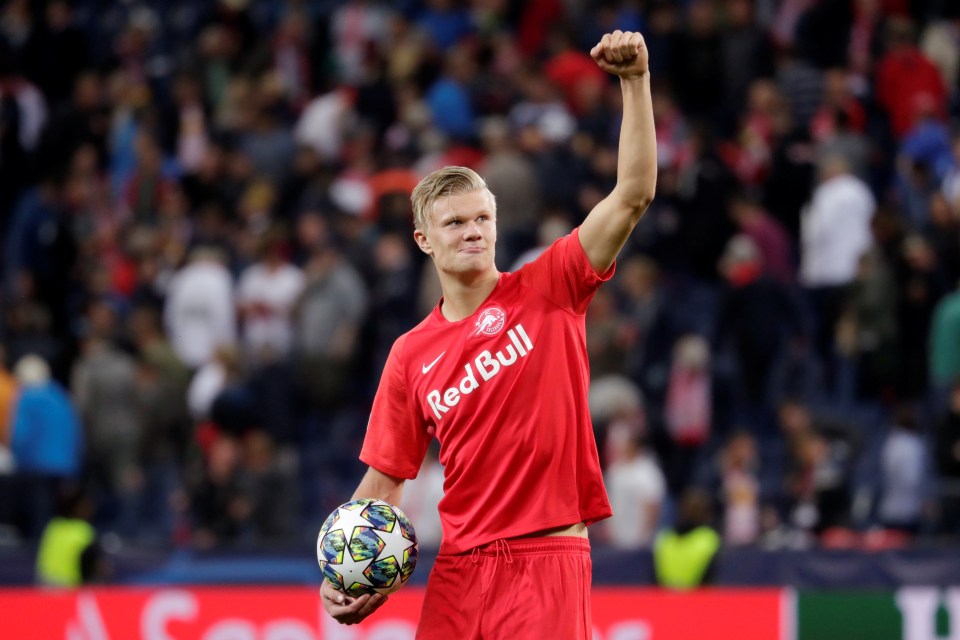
[564,275]
[396,439]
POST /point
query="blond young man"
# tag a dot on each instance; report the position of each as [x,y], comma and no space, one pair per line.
[498,373]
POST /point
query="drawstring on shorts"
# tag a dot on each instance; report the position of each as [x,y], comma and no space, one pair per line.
[501,549]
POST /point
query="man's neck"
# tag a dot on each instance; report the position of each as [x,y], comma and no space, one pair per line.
[461,298]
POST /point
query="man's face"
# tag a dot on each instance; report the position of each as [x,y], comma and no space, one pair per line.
[462,233]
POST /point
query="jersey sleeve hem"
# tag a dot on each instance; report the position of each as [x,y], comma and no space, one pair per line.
[603,276]
[387,468]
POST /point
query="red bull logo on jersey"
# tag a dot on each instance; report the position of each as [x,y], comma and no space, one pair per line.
[485,367]
[490,322]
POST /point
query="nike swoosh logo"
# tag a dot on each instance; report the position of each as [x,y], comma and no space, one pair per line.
[427,367]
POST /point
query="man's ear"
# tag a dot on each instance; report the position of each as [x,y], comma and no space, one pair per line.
[421,239]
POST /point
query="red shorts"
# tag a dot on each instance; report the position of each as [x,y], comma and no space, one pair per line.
[529,588]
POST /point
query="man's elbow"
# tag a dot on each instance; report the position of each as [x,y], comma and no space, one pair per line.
[636,192]
[638,203]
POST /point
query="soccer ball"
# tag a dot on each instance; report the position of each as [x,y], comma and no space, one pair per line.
[367,546]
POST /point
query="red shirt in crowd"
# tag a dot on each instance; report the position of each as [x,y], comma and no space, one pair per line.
[906,78]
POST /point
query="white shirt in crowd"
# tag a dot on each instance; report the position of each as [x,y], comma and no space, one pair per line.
[322,123]
[835,231]
[636,487]
[267,296]
[903,462]
[199,314]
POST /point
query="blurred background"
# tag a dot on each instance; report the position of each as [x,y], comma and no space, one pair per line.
[207,253]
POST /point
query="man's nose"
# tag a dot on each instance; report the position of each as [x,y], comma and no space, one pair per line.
[472,230]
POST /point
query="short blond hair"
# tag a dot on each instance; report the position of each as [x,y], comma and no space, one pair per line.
[448,181]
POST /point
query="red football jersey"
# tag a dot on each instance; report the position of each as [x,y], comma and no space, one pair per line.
[505,393]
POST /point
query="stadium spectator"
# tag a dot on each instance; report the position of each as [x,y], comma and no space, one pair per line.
[224,368]
[840,109]
[510,173]
[8,396]
[800,83]
[768,235]
[41,256]
[838,129]
[835,231]
[393,294]
[639,281]
[199,312]
[445,23]
[191,125]
[704,183]
[104,387]
[62,54]
[221,503]
[607,335]
[792,168]
[751,153]
[867,328]
[162,382]
[265,141]
[688,409]
[572,71]
[941,252]
[23,113]
[322,123]
[944,346]
[905,471]
[685,554]
[740,490]
[758,319]
[866,37]
[637,491]
[697,67]
[748,53]
[836,226]
[265,293]
[448,98]
[235,407]
[270,477]
[921,282]
[355,28]
[47,440]
[147,185]
[70,553]
[946,448]
[939,44]
[818,486]
[328,317]
[924,157]
[821,454]
[904,75]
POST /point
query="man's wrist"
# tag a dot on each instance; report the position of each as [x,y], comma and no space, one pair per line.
[636,77]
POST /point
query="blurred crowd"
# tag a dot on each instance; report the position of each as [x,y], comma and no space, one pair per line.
[207,253]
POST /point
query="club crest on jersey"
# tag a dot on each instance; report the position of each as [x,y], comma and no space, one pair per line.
[490,322]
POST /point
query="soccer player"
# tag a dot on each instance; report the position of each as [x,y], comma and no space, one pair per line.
[498,373]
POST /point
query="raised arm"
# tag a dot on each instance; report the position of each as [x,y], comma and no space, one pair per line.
[341,607]
[606,228]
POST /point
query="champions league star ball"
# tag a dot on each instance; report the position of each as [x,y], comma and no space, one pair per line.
[367,546]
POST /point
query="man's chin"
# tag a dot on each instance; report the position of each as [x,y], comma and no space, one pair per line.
[480,265]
